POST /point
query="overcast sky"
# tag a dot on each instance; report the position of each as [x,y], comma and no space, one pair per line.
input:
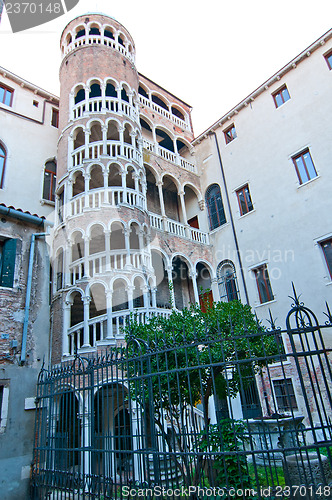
[210,53]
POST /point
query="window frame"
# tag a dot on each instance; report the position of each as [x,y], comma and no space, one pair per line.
[232,131]
[219,213]
[2,174]
[248,208]
[328,264]
[288,398]
[231,292]
[55,113]
[52,185]
[7,89]
[301,155]
[267,283]
[279,93]
[4,405]
[328,59]
[7,261]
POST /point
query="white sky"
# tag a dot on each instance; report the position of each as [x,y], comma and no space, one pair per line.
[210,53]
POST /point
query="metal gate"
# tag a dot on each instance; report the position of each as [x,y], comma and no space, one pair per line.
[142,420]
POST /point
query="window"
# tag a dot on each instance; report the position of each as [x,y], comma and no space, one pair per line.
[7,262]
[215,206]
[304,166]
[244,199]
[230,134]
[2,164]
[327,251]
[263,284]
[227,282]
[55,118]
[284,392]
[49,181]
[281,96]
[6,95]
[4,398]
[328,59]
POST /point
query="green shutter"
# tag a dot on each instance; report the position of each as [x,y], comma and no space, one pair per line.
[8,263]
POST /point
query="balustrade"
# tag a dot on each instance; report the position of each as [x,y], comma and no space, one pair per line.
[113,150]
[178,229]
[112,104]
[113,196]
[163,112]
[98,40]
[169,156]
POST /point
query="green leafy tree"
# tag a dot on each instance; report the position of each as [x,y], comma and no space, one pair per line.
[190,356]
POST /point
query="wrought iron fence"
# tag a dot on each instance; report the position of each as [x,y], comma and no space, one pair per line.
[237,411]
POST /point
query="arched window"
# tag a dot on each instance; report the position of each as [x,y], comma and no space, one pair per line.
[49,181]
[215,206]
[3,156]
[227,282]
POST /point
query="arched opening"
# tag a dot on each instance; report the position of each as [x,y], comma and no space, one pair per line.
[171,199]
[76,310]
[95,90]
[130,182]
[108,33]
[110,90]
[77,248]
[79,96]
[78,184]
[146,130]
[215,207]
[117,236]
[138,299]
[227,281]
[182,148]
[163,298]
[96,178]
[203,280]
[112,434]
[124,95]
[152,192]
[67,433]
[80,32]
[97,240]
[192,207]
[176,112]
[133,236]
[121,40]
[164,140]
[68,39]
[95,133]
[119,296]
[159,102]
[126,134]
[143,92]
[97,307]
[94,30]
[114,175]
[79,138]
[112,131]
[182,283]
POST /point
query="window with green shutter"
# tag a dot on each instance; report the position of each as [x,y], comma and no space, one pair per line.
[7,262]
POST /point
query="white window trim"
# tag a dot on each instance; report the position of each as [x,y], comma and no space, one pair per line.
[4,409]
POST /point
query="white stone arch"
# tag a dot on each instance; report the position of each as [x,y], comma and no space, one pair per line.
[118,165]
[120,277]
[165,129]
[120,33]
[144,87]
[76,85]
[92,121]
[174,179]
[131,165]
[168,258]
[71,292]
[139,276]
[112,80]
[94,79]
[179,108]
[189,263]
[148,120]
[93,282]
[89,24]
[156,174]
[73,231]
[92,224]
[118,221]
[78,28]
[108,27]
[208,265]
[160,96]
[193,188]
[95,163]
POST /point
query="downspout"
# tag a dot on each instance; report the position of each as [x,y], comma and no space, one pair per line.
[37,221]
[231,217]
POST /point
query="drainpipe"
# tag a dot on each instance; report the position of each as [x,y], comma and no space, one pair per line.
[37,221]
[231,217]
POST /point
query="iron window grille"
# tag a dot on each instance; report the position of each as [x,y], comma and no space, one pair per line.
[327,251]
[285,396]
[6,95]
[244,200]
[263,284]
[215,207]
[328,59]
[230,134]
[281,96]
[304,166]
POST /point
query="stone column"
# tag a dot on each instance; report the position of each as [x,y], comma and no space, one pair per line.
[87,178]
[170,284]
[66,263]
[86,340]
[183,207]
[130,293]
[124,186]
[87,92]
[86,142]
[121,136]
[107,233]
[193,276]
[215,289]
[86,257]
[103,97]
[109,305]
[161,198]
[104,132]
[127,243]
[154,297]
[71,105]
